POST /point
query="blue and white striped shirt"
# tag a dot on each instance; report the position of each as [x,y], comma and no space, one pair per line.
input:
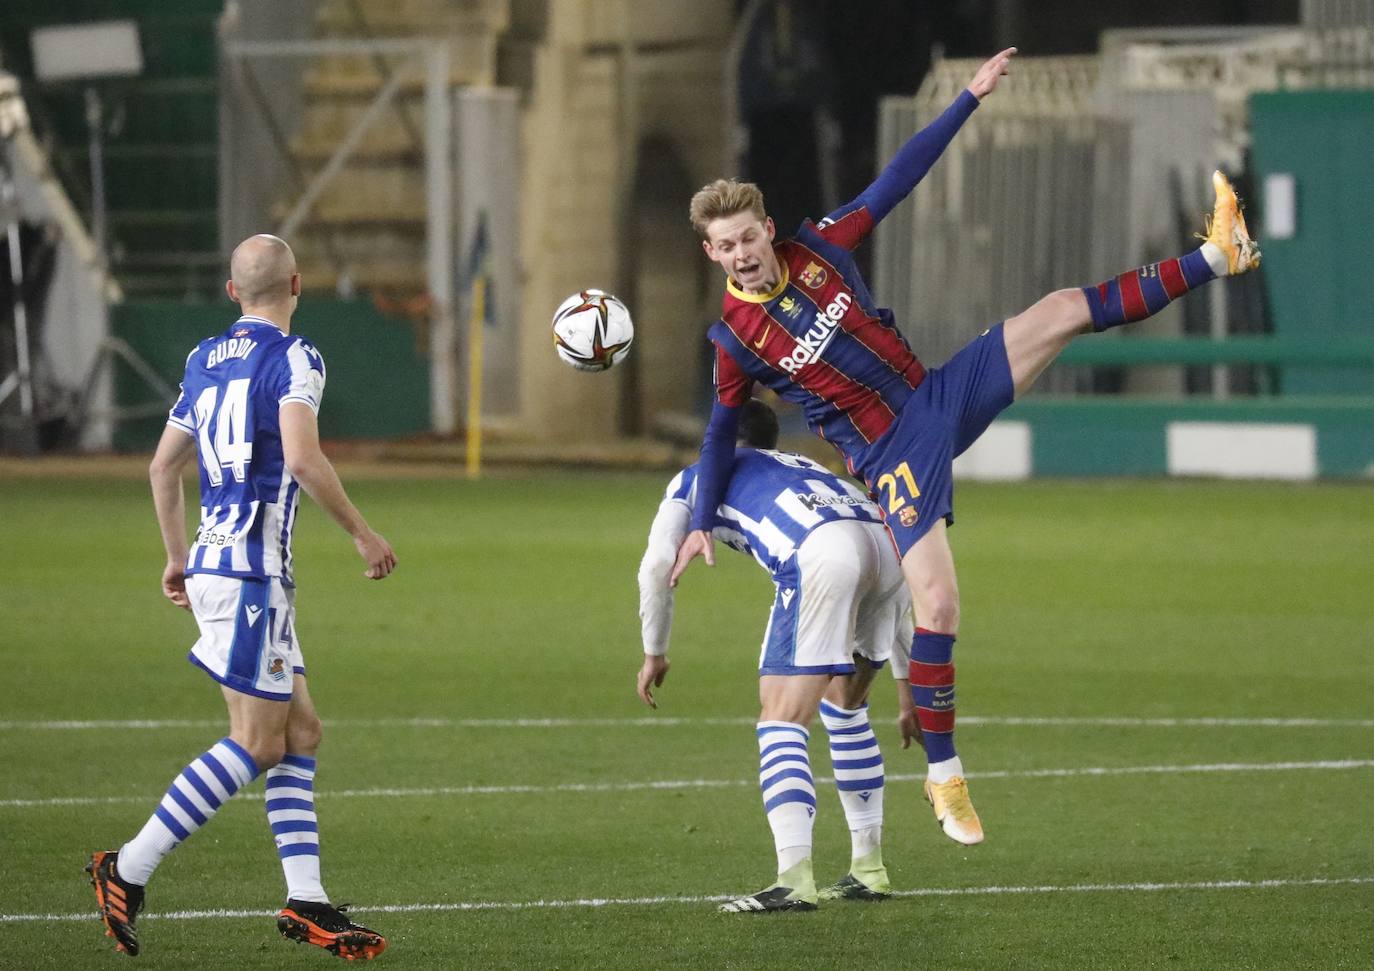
[233,386]
[774,501]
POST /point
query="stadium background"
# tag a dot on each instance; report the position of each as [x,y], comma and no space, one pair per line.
[1165,683]
[572,134]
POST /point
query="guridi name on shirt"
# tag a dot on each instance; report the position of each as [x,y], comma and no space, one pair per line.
[234,347]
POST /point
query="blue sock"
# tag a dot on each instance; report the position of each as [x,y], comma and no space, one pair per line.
[1139,293]
[932,691]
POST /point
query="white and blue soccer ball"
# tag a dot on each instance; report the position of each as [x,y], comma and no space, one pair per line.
[592,330]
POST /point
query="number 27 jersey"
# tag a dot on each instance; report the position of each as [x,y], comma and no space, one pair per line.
[230,395]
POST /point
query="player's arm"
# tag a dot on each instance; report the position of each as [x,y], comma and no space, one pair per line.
[849,225]
[656,596]
[300,443]
[713,475]
[716,463]
[907,722]
[174,450]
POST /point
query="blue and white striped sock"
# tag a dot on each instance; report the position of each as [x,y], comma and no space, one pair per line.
[191,799]
[858,765]
[291,813]
[789,793]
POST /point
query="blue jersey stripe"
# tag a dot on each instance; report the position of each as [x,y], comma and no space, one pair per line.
[774,501]
[231,393]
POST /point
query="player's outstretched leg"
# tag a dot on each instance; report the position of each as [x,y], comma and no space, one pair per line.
[118,900]
[1227,250]
[1036,336]
[858,766]
[329,927]
[789,799]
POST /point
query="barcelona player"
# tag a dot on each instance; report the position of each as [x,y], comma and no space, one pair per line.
[797,318]
[839,608]
[247,412]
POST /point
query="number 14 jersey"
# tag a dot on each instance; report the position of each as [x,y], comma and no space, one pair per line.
[230,395]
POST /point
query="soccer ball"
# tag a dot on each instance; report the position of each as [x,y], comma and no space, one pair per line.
[592,330]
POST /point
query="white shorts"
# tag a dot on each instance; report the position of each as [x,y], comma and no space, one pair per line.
[247,633]
[841,594]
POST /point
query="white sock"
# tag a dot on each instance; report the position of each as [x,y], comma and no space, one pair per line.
[1216,259]
[858,764]
[790,856]
[938,772]
[865,841]
[291,814]
[189,803]
[789,793]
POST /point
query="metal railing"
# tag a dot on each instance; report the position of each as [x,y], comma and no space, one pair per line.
[1081,167]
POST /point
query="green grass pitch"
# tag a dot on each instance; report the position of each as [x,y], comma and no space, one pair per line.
[483,776]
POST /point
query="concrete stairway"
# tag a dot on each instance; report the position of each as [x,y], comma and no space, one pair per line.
[372,214]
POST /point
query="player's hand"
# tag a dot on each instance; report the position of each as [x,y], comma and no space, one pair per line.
[907,721]
[174,584]
[985,81]
[910,728]
[376,553]
[697,543]
[651,675]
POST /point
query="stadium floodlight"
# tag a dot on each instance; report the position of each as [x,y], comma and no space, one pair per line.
[79,52]
[89,52]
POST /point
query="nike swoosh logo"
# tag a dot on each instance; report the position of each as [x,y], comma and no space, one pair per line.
[759,343]
[945,693]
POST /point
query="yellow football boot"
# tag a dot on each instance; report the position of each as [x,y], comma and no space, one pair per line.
[1227,233]
[954,810]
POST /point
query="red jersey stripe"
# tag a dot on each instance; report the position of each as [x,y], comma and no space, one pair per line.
[849,230]
[732,384]
[863,407]
[884,343]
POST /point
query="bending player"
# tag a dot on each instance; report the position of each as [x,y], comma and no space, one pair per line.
[248,409]
[840,607]
[798,319]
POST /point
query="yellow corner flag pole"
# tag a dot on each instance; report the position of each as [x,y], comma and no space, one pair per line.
[476,323]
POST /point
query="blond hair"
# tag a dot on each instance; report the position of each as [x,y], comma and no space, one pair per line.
[722,198]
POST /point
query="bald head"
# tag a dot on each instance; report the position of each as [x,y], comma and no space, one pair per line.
[261,271]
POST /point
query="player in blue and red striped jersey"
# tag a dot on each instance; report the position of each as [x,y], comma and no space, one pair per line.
[798,318]
[247,412]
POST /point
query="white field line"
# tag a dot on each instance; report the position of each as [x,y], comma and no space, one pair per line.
[717,898]
[669,784]
[965,721]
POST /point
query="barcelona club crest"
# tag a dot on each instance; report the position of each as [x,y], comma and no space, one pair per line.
[814,275]
[907,516]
